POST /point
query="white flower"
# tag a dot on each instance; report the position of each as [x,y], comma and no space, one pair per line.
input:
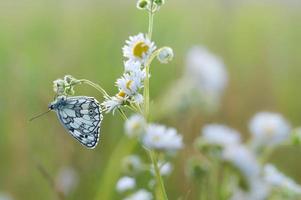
[220,135]
[165,55]
[268,129]
[67,180]
[162,138]
[258,190]
[129,83]
[245,161]
[164,167]
[206,71]
[141,194]
[138,99]
[135,126]
[242,159]
[277,179]
[125,183]
[132,163]
[113,103]
[138,48]
[132,66]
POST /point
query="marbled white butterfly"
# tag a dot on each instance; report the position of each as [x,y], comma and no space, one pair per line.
[81,116]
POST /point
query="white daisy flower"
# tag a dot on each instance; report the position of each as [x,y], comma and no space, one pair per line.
[132,66]
[129,83]
[220,135]
[162,138]
[138,48]
[125,183]
[135,126]
[278,180]
[132,163]
[243,159]
[206,71]
[138,99]
[268,129]
[67,180]
[113,103]
[257,190]
[141,194]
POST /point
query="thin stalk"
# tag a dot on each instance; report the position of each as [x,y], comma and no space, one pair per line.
[159,179]
[162,194]
[96,86]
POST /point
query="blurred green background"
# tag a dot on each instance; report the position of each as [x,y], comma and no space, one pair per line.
[40,41]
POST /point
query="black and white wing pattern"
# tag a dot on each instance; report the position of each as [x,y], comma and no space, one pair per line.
[82,117]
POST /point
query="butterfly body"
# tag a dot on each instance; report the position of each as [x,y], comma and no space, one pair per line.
[81,116]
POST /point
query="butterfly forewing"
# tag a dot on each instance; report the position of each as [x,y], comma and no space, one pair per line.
[81,116]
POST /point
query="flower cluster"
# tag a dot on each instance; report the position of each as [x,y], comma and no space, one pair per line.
[153,137]
[137,51]
[65,86]
[256,179]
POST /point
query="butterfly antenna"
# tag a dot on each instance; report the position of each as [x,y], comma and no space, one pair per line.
[35,117]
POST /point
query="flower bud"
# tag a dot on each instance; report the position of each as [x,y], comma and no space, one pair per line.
[59,86]
[132,164]
[165,55]
[196,169]
[159,2]
[296,137]
[143,4]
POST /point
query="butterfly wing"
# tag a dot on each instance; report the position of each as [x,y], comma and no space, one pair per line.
[82,116]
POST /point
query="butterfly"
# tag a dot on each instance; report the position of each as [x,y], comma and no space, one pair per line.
[81,116]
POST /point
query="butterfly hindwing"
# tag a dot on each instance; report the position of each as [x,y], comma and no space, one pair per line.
[81,116]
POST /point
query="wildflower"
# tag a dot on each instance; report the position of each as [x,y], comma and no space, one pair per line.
[125,183]
[138,99]
[268,129]
[130,84]
[220,135]
[165,55]
[242,159]
[206,71]
[245,162]
[135,126]
[257,190]
[138,48]
[132,163]
[132,66]
[67,180]
[141,194]
[113,103]
[278,180]
[162,138]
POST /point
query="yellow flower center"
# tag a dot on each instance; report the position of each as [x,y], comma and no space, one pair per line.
[156,138]
[121,94]
[128,84]
[139,49]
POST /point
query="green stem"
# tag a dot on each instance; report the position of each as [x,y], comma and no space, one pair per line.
[159,179]
[162,194]
[96,86]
